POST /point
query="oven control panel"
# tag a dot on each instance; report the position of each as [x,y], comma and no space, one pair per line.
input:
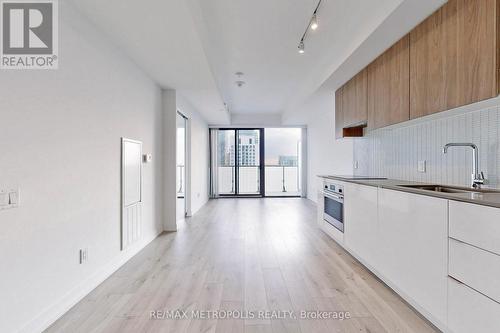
[336,188]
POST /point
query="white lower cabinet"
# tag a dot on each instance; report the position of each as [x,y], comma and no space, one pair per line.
[413,250]
[320,207]
[470,311]
[404,239]
[361,229]
[476,225]
[476,268]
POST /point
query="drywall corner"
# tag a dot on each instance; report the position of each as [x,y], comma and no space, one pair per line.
[169,110]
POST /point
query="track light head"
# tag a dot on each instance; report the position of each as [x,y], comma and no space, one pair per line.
[313,25]
[314,22]
[301,47]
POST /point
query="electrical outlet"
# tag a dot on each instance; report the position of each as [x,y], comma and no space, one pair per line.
[356,164]
[422,166]
[84,255]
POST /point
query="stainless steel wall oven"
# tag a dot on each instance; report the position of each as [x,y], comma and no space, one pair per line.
[333,212]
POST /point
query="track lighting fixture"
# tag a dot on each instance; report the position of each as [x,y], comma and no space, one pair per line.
[314,22]
[313,25]
[301,47]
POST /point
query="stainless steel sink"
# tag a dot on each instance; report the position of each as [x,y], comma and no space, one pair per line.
[444,189]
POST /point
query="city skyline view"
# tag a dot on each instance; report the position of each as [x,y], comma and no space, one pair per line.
[240,170]
[281,147]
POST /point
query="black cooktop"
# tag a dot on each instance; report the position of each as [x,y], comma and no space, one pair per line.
[354,177]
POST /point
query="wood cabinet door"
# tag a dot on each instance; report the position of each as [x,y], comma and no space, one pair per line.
[339,119]
[477,55]
[454,57]
[388,86]
[354,104]
[433,65]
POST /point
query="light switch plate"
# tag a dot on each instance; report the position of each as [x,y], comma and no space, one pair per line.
[9,199]
[422,166]
[14,198]
[84,255]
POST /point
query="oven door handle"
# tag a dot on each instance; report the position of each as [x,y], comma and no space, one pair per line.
[335,197]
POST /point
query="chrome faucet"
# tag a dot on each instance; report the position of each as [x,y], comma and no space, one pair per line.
[477,178]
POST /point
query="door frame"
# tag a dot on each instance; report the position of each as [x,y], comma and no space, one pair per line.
[262,183]
[187,162]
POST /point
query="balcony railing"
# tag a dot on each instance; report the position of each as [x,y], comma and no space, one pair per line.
[280,180]
[249,180]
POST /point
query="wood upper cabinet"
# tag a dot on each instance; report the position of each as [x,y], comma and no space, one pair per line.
[454,57]
[341,129]
[388,86]
[449,60]
[354,103]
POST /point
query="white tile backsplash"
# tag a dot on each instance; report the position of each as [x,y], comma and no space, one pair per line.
[394,152]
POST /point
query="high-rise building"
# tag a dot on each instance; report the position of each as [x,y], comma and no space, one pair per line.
[288,161]
[248,148]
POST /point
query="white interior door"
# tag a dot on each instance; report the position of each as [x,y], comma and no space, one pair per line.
[131,173]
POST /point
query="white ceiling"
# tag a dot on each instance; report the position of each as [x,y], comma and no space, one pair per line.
[161,37]
[260,38]
[196,46]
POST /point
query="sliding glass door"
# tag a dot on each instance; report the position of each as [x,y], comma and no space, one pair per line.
[256,162]
[249,170]
[239,170]
[283,162]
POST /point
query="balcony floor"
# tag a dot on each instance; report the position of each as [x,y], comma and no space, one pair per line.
[252,254]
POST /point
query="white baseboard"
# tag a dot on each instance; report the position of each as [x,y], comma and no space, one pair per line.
[48,316]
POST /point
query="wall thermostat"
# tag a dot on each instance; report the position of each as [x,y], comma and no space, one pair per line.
[147,158]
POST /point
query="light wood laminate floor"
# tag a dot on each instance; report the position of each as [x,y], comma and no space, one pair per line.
[243,254]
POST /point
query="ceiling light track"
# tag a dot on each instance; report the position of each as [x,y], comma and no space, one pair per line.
[313,25]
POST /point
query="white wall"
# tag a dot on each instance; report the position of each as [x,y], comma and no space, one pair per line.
[198,155]
[325,155]
[60,144]
[169,109]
